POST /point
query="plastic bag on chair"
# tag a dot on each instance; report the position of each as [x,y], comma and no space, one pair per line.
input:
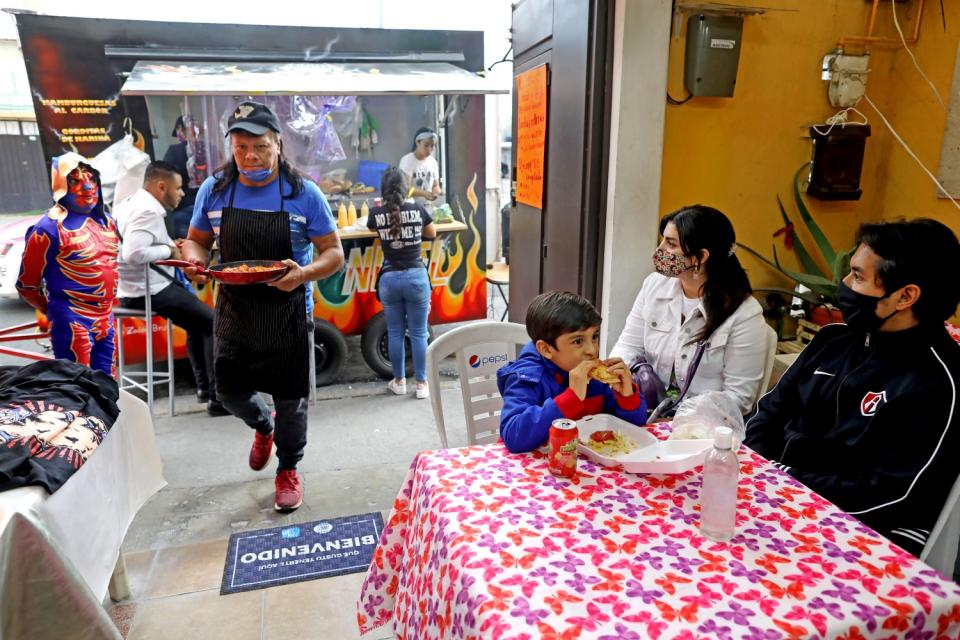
[699,415]
[121,167]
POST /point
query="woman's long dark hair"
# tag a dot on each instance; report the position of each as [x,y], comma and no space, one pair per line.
[727,285]
[393,188]
[419,131]
[228,172]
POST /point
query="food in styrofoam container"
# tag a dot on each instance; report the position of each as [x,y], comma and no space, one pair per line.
[609,443]
[651,454]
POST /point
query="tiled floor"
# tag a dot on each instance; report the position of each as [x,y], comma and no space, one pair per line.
[175,594]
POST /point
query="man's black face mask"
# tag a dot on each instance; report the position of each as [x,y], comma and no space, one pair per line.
[860,310]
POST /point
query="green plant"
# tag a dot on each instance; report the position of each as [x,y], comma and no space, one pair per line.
[822,286]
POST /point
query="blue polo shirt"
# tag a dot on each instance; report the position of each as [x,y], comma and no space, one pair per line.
[310,215]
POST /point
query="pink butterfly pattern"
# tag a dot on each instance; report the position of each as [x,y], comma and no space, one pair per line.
[482,543]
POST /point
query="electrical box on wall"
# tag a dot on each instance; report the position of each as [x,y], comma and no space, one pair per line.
[837,162]
[712,54]
[848,78]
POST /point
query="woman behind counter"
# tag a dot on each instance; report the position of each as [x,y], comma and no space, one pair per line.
[699,292]
[421,168]
[404,285]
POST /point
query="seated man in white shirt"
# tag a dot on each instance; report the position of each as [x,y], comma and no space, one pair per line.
[140,219]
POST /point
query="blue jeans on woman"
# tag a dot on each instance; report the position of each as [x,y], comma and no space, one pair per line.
[405,296]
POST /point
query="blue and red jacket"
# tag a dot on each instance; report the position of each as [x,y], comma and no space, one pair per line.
[536,392]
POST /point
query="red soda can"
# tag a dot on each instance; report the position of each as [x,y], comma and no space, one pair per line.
[562,460]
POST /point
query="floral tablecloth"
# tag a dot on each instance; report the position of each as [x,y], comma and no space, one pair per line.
[482,543]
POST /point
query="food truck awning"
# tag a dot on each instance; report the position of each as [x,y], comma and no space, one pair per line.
[157,78]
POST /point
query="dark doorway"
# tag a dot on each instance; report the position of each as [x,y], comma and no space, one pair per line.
[561,245]
[24,180]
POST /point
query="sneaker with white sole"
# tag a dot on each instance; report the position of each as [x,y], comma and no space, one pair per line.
[289,491]
[398,388]
[423,392]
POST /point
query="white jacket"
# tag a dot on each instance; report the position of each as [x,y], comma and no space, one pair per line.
[734,355]
[145,239]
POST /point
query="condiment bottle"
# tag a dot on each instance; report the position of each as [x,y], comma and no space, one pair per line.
[351,214]
[342,216]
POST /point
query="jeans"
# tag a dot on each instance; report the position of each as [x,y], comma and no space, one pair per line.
[185,310]
[406,303]
[289,427]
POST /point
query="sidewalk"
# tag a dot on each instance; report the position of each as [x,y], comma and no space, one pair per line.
[361,442]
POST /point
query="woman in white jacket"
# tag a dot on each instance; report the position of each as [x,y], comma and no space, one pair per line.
[698,293]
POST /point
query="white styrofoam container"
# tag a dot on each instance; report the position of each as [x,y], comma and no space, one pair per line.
[652,455]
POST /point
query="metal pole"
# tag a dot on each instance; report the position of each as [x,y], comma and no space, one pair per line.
[148,310]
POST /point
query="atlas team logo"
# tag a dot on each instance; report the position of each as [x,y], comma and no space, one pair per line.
[476,361]
[871,402]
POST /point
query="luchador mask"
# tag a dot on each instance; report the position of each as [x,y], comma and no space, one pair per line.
[82,192]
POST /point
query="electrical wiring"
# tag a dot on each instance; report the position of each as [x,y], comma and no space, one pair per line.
[893,8]
[501,60]
[675,102]
[841,118]
[910,151]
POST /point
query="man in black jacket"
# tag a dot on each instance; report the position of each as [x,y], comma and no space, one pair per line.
[868,414]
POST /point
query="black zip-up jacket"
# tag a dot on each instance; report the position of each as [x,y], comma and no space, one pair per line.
[869,422]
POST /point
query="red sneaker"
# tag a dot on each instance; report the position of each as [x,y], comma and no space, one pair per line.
[260,451]
[289,491]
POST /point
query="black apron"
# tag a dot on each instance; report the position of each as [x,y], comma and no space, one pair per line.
[261,332]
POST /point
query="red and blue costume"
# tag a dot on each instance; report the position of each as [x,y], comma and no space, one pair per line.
[69,266]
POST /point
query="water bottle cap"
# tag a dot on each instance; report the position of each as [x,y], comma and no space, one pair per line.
[723,437]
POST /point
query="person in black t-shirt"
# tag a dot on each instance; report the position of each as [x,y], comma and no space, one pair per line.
[404,284]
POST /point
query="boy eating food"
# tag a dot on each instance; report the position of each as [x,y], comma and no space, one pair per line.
[559,374]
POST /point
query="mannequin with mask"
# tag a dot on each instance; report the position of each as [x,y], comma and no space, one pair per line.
[698,293]
[69,267]
[866,416]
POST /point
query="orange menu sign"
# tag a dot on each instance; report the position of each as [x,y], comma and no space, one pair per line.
[531,135]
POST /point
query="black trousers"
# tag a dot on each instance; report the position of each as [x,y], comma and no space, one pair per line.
[186,311]
[289,427]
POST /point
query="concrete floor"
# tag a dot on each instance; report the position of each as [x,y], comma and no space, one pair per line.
[360,445]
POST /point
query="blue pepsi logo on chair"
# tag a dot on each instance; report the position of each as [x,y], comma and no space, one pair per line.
[479,361]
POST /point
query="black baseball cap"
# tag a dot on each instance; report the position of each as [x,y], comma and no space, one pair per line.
[253,117]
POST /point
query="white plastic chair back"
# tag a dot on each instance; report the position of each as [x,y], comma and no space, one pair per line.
[940,552]
[481,348]
[771,339]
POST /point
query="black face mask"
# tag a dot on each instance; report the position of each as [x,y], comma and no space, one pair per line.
[860,310]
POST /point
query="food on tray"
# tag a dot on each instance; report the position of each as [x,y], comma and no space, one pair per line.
[362,188]
[247,268]
[601,373]
[609,443]
[331,184]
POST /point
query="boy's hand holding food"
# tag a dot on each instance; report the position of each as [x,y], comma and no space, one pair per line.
[580,377]
[619,368]
[614,371]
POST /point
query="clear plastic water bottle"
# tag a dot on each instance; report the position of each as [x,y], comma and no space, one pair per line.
[718,495]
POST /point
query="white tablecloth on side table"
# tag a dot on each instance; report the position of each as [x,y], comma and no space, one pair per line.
[72,538]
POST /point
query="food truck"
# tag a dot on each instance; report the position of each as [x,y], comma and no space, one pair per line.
[349,101]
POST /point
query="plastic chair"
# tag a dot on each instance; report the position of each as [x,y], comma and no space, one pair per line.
[481,348]
[129,380]
[771,354]
[498,274]
[940,552]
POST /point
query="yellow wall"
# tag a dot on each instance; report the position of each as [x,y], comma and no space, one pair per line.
[737,153]
[919,118]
